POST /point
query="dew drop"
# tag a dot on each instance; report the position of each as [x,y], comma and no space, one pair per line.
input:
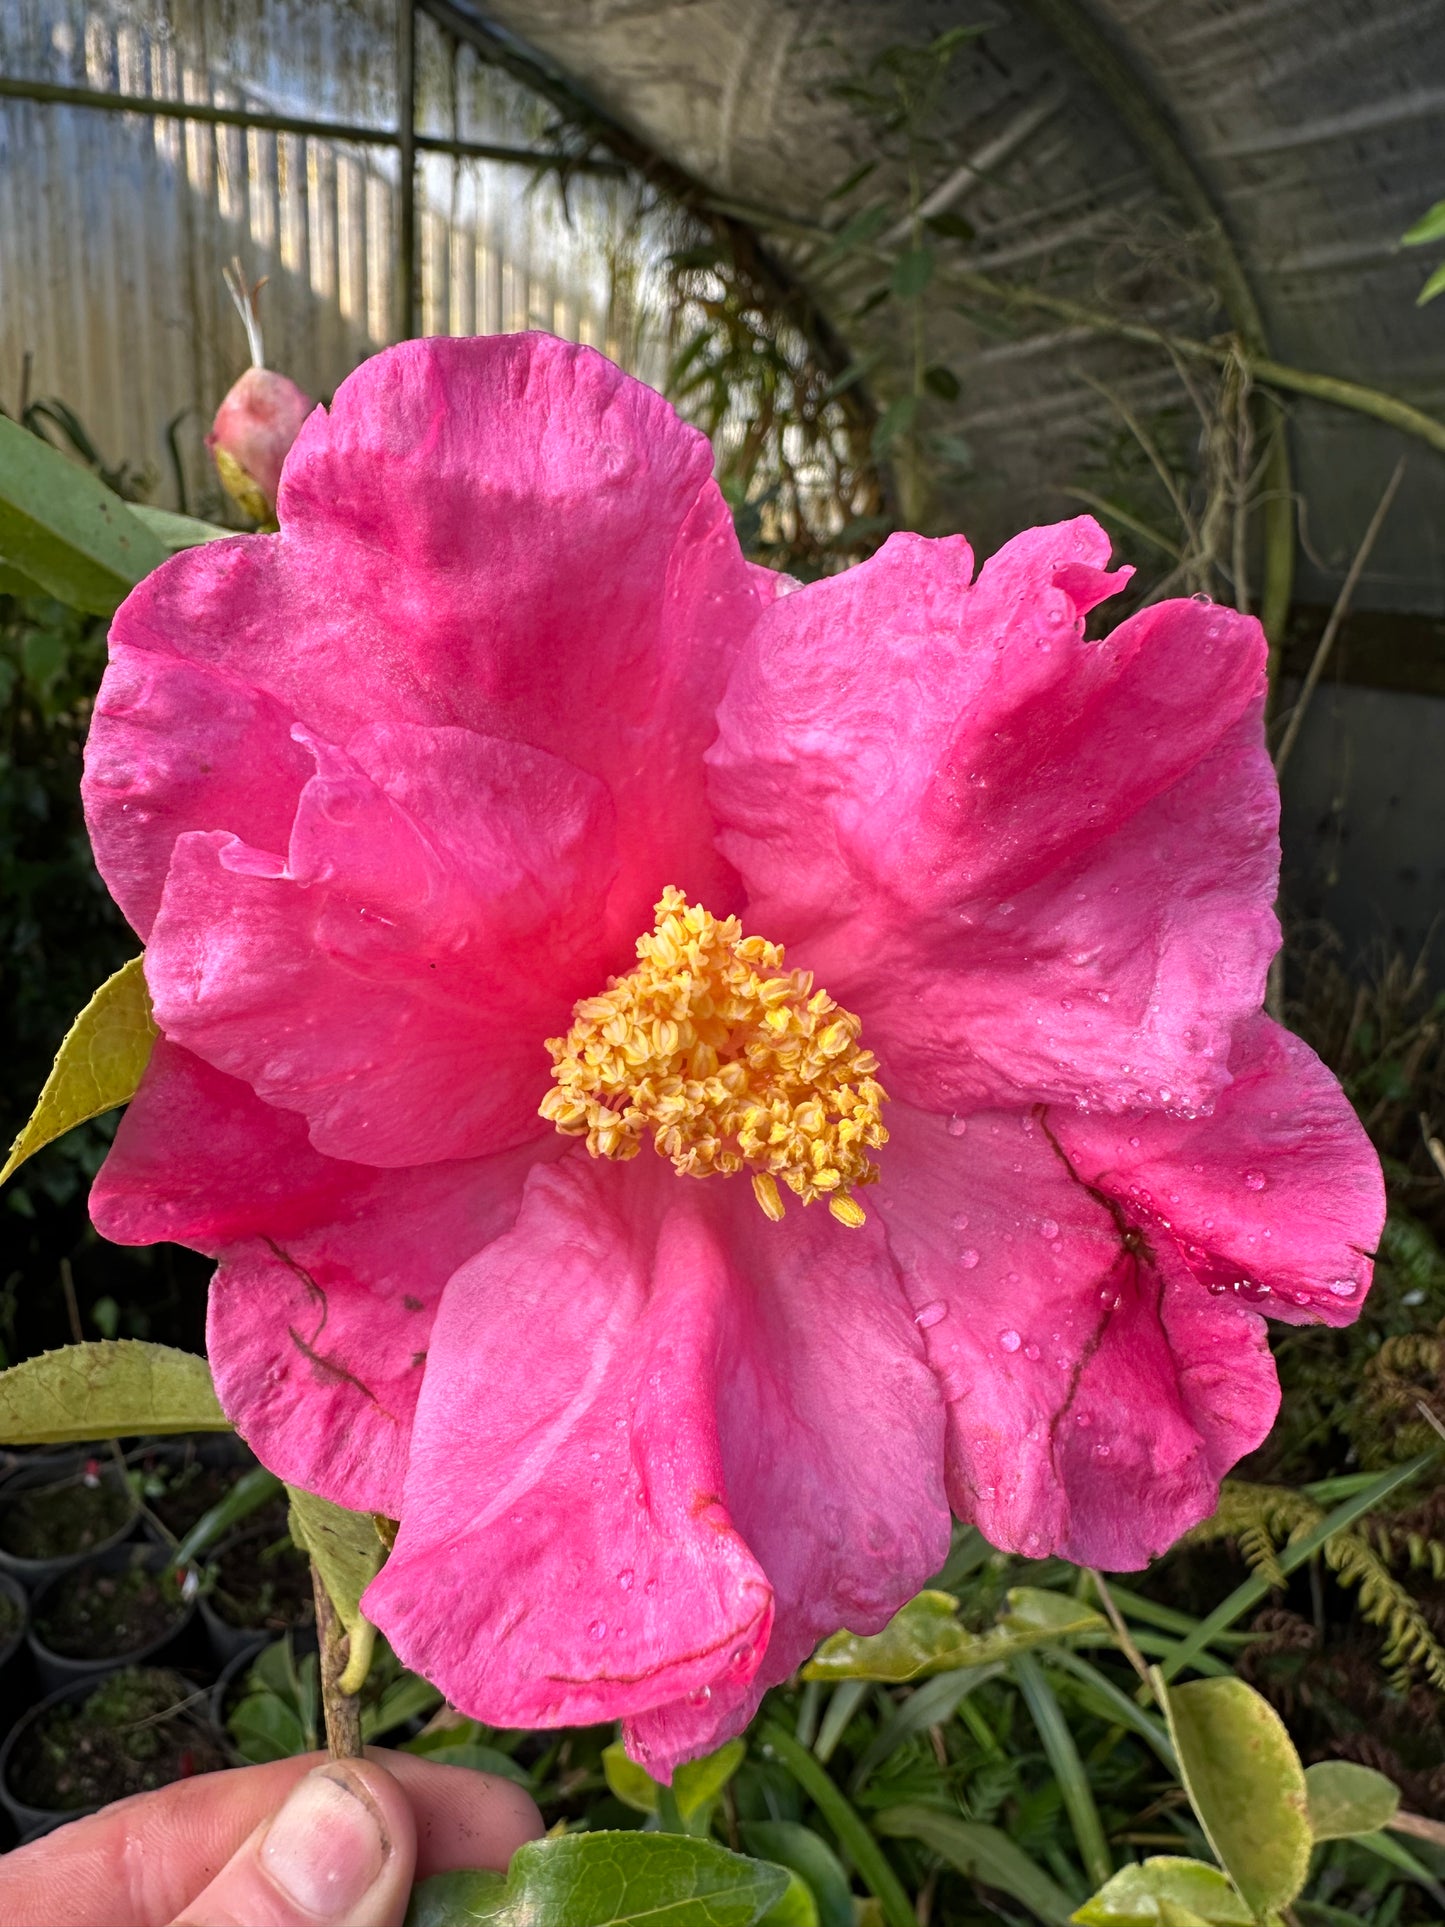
[931,1313]
[598,1629]
[1101,1451]
[1342,1287]
[960,1221]
[1031,1352]
[1254,1180]
[1082,1419]
[1048,1229]
[968,1257]
[957,1126]
[1134,1142]
[625,1578]
[1010,1340]
[700,1697]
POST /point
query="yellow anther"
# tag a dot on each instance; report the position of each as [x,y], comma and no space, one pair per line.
[728,1060]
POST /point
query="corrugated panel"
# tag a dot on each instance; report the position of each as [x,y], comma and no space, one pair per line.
[114,228]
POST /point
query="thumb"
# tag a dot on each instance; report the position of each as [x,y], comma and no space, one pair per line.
[341,1849]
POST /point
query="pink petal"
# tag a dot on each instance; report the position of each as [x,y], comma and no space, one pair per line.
[1276,1199]
[507,535]
[321,1310]
[395,978]
[175,746]
[722,1427]
[1097,1391]
[1028,860]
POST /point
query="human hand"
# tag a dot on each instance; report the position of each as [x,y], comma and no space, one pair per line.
[296,1844]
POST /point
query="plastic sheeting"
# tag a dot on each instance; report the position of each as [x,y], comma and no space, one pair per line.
[114,227]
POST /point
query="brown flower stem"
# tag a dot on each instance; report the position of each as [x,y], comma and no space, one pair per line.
[343,1713]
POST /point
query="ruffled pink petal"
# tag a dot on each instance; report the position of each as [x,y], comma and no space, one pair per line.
[1041,868]
[1276,1199]
[395,978]
[321,1310]
[176,746]
[506,535]
[725,1443]
[1097,1391]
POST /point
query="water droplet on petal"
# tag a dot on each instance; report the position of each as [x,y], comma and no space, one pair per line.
[598,1629]
[1343,1287]
[1010,1340]
[960,1221]
[1255,1180]
[1101,1451]
[968,1257]
[625,1578]
[1031,1352]
[930,1314]
[957,1126]
[1048,1229]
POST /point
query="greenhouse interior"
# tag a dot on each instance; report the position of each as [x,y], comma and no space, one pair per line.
[723,963]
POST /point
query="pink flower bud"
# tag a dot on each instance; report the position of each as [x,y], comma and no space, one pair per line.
[250,438]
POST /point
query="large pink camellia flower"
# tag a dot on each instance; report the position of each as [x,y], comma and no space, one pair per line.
[496,821]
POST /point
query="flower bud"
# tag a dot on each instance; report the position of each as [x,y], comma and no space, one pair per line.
[250,438]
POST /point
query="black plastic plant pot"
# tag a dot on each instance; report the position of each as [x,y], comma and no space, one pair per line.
[183,1478]
[127,1607]
[59,1510]
[14,1618]
[257,1585]
[100,1739]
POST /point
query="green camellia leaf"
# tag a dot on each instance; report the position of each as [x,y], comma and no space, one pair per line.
[1345,1799]
[98,1066]
[1245,1783]
[696,1786]
[607,1880]
[14,581]
[177,531]
[925,1637]
[61,526]
[796,1906]
[111,1388]
[1166,1892]
[984,1854]
[347,1551]
[798,1848]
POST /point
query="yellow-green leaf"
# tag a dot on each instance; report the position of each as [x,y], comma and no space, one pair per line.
[1245,1783]
[112,1388]
[347,1551]
[1166,1892]
[695,1786]
[177,531]
[925,1637]
[98,1066]
[1345,1799]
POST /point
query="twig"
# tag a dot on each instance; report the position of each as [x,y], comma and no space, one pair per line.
[1417,1825]
[1433,1144]
[343,1714]
[1337,616]
[1121,1631]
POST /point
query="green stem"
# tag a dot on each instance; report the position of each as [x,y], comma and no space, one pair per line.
[851,1834]
[1063,1757]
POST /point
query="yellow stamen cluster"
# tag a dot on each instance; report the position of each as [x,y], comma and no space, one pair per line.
[729,1060]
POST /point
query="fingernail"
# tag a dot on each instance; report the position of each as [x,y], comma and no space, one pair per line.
[326,1846]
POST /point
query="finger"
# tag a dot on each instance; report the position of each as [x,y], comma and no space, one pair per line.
[341,1850]
[139,1862]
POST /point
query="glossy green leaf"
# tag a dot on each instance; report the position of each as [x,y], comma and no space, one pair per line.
[606,1880]
[15,581]
[177,531]
[1429,227]
[925,1637]
[1345,1799]
[98,1066]
[247,1495]
[481,1759]
[110,1388]
[984,1854]
[696,1786]
[1245,1783]
[1166,1892]
[61,526]
[798,1848]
